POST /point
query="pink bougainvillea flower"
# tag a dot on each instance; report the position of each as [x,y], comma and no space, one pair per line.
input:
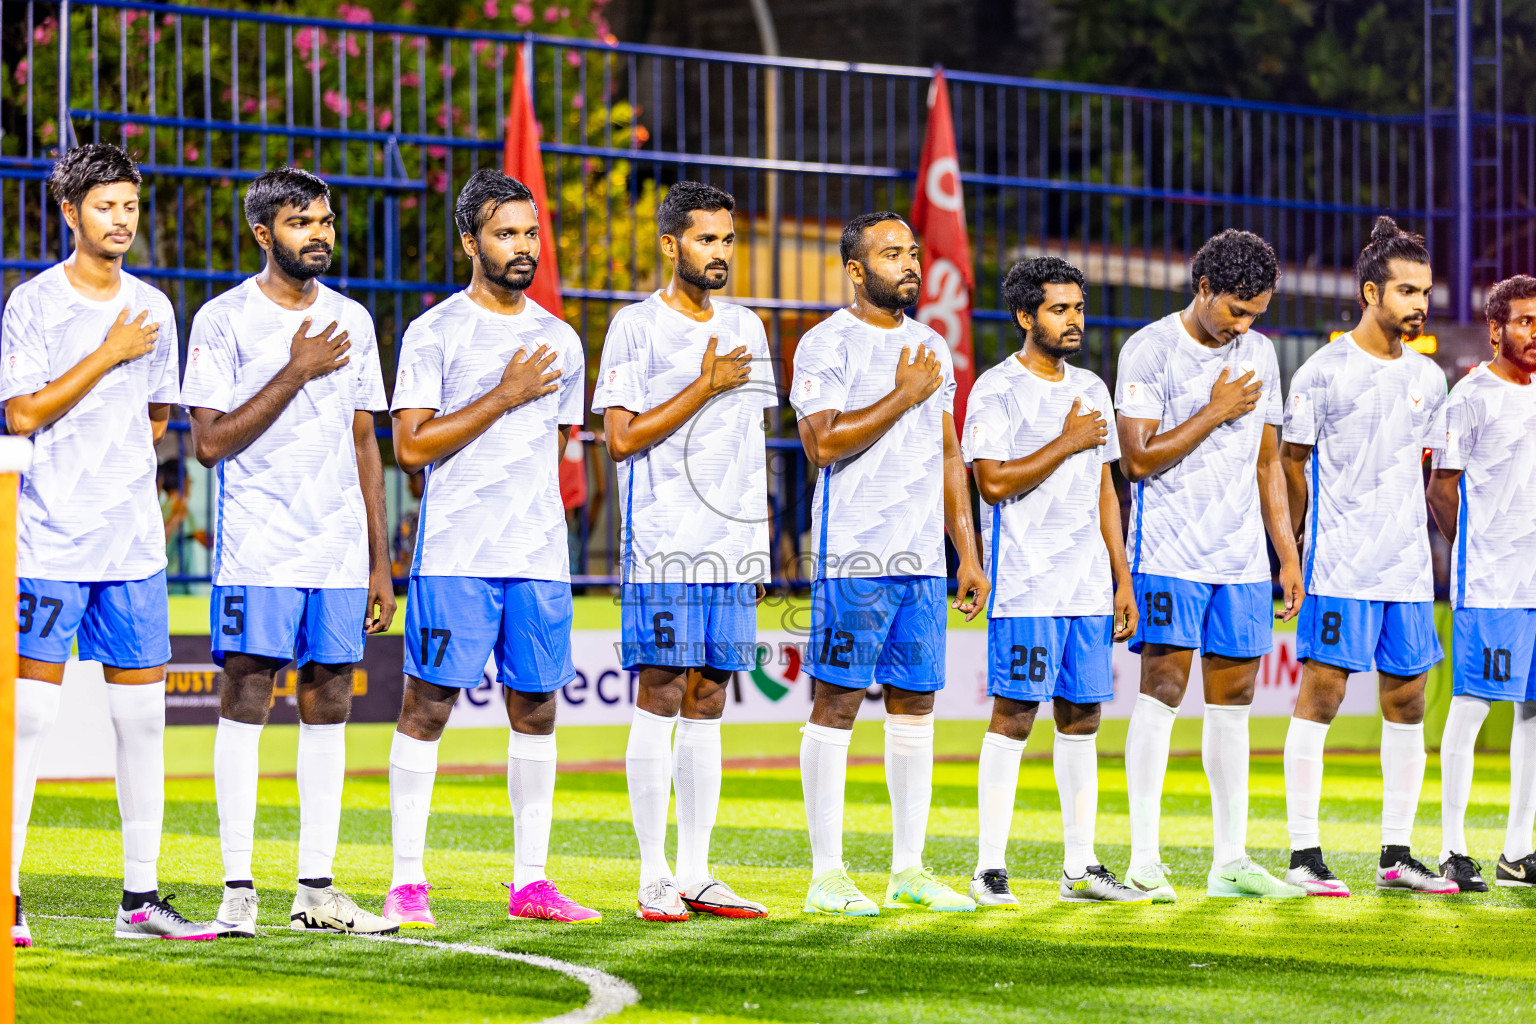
[552,14]
[437,181]
[336,104]
[21,72]
[410,80]
[490,9]
[42,33]
[386,118]
[192,153]
[523,14]
[436,152]
[573,58]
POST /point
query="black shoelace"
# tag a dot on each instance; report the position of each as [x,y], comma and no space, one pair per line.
[164,903]
[1408,861]
[1459,862]
[1314,863]
[995,882]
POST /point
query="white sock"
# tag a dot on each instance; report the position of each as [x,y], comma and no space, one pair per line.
[322,774]
[1457,743]
[1076,760]
[823,774]
[1522,782]
[138,718]
[648,765]
[531,789]
[37,708]
[909,778]
[696,781]
[1402,776]
[1147,739]
[412,770]
[1304,741]
[997,782]
[1224,752]
[236,765]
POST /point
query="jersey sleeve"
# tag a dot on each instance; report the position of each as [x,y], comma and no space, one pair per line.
[621,369]
[1139,385]
[988,425]
[1307,406]
[1435,425]
[951,387]
[210,376]
[1110,452]
[573,382]
[1274,398]
[23,349]
[1462,425]
[763,378]
[164,372]
[419,377]
[369,396]
[820,375]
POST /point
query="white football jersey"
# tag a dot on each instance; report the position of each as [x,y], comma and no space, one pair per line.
[88,511]
[1043,550]
[1199,519]
[880,512]
[1490,434]
[1368,421]
[290,509]
[492,509]
[695,505]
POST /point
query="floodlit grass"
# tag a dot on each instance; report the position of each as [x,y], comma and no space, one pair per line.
[1374,957]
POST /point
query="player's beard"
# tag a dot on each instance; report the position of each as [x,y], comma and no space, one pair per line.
[1053,345]
[293,263]
[699,276]
[505,276]
[890,295]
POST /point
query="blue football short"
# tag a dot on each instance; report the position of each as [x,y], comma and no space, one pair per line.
[120,624]
[1347,633]
[1035,658]
[454,624]
[304,624]
[885,629]
[1233,620]
[690,625]
[1495,651]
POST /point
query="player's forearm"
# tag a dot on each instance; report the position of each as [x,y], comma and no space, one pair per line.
[418,445]
[1276,509]
[1144,457]
[1445,501]
[999,481]
[845,434]
[1110,529]
[957,510]
[218,436]
[627,437]
[370,477]
[159,420]
[1294,463]
[27,414]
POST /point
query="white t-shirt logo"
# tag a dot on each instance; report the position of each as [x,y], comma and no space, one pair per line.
[1132,388]
[1087,406]
[810,387]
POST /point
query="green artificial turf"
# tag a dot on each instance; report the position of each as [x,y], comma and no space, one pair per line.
[1374,957]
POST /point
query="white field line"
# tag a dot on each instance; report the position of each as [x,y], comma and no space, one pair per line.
[607,995]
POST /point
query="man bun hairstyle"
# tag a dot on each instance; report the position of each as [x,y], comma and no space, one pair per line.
[1024,287]
[1388,242]
[487,191]
[852,246]
[280,187]
[673,215]
[86,167]
[1507,291]
[1235,262]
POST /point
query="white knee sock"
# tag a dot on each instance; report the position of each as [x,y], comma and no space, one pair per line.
[823,774]
[997,782]
[909,778]
[1522,783]
[1076,760]
[1402,777]
[412,770]
[1224,752]
[37,708]
[531,789]
[236,765]
[648,765]
[1457,743]
[1304,741]
[1146,762]
[322,774]
[696,781]
[138,718]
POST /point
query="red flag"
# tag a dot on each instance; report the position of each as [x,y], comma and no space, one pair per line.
[938,217]
[521,160]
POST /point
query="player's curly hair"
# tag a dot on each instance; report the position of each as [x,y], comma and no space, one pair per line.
[280,187]
[1024,287]
[86,167]
[1509,290]
[852,246]
[683,198]
[487,191]
[1388,242]
[1237,263]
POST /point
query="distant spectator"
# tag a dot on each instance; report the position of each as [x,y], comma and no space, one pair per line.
[176,511]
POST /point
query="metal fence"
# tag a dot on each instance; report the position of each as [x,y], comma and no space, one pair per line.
[1125,183]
